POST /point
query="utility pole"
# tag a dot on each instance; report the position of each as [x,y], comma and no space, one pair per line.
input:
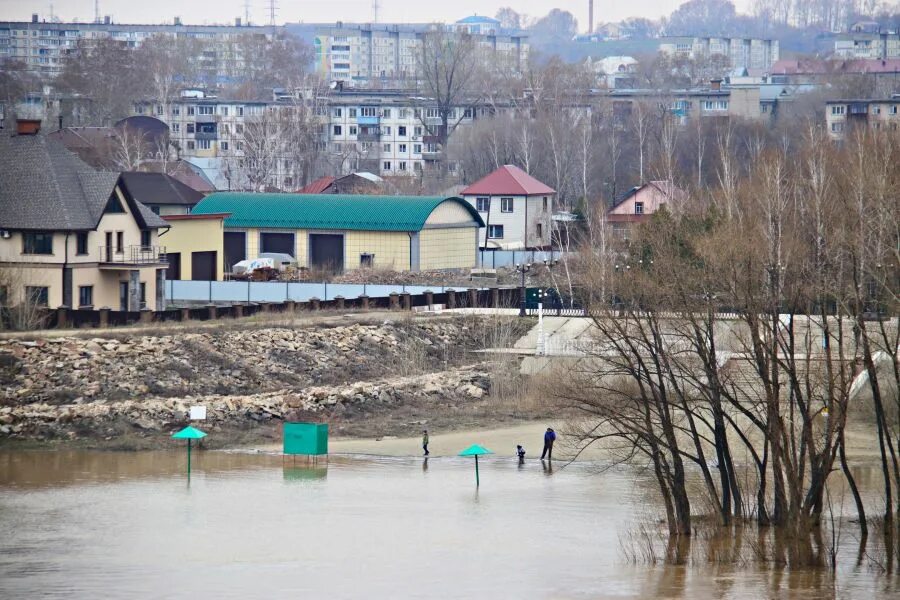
[374,11]
[247,12]
[273,8]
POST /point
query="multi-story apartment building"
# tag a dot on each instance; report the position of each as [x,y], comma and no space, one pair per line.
[843,115]
[43,46]
[367,53]
[714,101]
[742,53]
[868,44]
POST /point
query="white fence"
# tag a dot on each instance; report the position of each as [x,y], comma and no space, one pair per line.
[496,259]
[283,291]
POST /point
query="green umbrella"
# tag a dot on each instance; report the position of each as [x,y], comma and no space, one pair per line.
[189,433]
[476,451]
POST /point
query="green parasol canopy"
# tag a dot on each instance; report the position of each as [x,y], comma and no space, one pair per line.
[189,433]
[475,450]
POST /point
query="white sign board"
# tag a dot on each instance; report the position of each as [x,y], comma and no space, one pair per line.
[198,413]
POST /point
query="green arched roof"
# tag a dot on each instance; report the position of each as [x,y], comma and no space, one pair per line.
[326,211]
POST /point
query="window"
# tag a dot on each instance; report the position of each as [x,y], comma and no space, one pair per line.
[714,105]
[876,110]
[337,130]
[85,295]
[143,294]
[385,130]
[401,148]
[417,130]
[546,202]
[352,113]
[483,204]
[366,260]
[37,295]
[225,111]
[417,148]
[176,110]
[145,237]
[387,165]
[81,243]
[386,147]
[432,113]
[205,110]
[386,113]
[176,127]
[204,144]
[467,113]
[120,242]
[506,205]
[495,232]
[401,131]
[36,242]
[353,130]
[837,127]
[367,111]
[190,128]
[240,111]
[838,110]
[338,112]
[403,113]
[191,111]
[894,109]
[223,145]
[638,208]
[190,145]
[539,230]
[401,165]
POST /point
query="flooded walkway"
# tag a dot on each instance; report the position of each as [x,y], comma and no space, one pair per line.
[128,525]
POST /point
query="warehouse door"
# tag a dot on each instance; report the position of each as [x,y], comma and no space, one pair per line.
[235,249]
[203,266]
[326,252]
[277,242]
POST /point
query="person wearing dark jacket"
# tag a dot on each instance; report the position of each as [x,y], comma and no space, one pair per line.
[549,438]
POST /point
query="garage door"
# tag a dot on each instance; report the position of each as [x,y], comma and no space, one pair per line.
[173,271]
[277,242]
[203,266]
[235,248]
[326,252]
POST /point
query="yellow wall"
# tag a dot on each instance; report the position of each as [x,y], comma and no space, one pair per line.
[195,235]
[391,249]
[447,248]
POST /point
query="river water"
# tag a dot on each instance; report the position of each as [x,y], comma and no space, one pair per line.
[77,524]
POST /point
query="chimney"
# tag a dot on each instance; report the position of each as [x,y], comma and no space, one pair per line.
[28,126]
[34,17]
[237,21]
[715,84]
[178,20]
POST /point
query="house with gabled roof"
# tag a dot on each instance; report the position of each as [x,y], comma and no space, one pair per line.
[515,207]
[638,204]
[69,235]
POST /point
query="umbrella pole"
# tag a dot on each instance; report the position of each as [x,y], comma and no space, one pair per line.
[477,480]
[189,457]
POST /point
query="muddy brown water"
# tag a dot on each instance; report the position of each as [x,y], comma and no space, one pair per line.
[81,524]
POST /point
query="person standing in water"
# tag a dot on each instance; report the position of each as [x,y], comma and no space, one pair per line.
[549,438]
[425,441]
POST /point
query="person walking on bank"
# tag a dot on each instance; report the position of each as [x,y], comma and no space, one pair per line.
[549,438]
[425,441]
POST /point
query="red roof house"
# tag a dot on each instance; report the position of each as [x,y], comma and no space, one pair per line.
[515,206]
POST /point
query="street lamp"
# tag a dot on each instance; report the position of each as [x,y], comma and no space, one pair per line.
[522,269]
[540,348]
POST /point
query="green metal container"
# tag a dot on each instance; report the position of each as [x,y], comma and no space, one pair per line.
[310,439]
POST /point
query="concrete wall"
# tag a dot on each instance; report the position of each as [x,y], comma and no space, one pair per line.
[391,249]
[447,248]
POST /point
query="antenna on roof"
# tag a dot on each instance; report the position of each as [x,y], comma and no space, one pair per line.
[374,11]
[273,8]
[247,12]
[96,11]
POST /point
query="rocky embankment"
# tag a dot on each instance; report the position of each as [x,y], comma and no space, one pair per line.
[103,387]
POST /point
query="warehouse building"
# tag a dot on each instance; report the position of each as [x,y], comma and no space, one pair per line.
[334,232]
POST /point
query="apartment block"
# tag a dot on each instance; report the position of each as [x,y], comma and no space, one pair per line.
[366,53]
[841,116]
[868,44]
[742,53]
[44,46]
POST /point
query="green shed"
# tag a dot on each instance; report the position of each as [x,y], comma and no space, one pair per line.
[310,439]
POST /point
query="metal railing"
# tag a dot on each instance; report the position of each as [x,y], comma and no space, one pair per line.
[133,255]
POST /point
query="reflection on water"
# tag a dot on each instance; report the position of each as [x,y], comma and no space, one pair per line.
[95,524]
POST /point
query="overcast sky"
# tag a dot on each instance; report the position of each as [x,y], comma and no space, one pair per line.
[394,11]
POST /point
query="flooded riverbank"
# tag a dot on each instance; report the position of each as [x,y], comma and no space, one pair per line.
[86,524]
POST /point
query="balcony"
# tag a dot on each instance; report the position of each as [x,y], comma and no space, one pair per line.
[204,135]
[368,120]
[131,257]
[431,155]
[207,118]
[368,137]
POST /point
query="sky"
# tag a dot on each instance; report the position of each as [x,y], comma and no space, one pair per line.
[310,11]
